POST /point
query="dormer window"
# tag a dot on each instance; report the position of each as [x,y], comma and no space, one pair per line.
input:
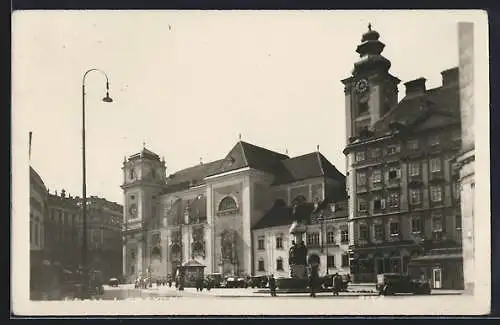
[434,140]
[393,149]
[413,144]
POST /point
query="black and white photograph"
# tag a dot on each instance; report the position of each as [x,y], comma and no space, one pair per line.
[250,163]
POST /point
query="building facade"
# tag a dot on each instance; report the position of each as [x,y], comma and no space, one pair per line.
[207,212]
[466,157]
[64,233]
[327,237]
[404,198]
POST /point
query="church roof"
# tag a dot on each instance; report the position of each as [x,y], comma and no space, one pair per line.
[244,154]
[307,166]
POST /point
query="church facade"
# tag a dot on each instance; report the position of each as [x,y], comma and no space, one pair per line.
[208,213]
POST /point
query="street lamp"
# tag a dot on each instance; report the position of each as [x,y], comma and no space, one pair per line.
[106,99]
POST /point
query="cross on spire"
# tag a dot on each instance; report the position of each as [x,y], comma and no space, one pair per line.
[370,27]
[317,147]
[143,145]
[239,136]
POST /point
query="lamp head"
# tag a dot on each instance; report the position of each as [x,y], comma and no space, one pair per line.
[107,99]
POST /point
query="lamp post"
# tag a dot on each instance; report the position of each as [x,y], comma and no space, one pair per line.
[106,99]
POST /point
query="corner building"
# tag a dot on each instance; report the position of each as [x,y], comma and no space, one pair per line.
[404,198]
[206,213]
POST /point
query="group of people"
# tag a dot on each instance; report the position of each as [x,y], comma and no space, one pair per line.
[202,282]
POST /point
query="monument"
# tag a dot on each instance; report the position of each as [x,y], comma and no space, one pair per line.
[297,257]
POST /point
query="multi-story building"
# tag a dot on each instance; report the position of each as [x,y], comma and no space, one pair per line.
[404,199]
[206,213]
[38,213]
[327,237]
[64,233]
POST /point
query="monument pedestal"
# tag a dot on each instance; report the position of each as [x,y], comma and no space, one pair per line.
[298,271]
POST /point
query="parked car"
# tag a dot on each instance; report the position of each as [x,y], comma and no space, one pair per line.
[259,281]
[326,281]
[217,279]
[113,282]
[235,282]
[392,283]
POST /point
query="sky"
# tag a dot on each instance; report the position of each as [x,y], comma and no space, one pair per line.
[188,83]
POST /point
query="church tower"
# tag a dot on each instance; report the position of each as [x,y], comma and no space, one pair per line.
[371,90]
[144,177]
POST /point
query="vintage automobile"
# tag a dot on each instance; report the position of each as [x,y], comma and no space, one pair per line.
[217,279]
[113,282]
[235,282]
[392,283]
[258,281]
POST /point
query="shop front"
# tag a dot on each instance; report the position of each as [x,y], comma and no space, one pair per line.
[442,267]
[367,262]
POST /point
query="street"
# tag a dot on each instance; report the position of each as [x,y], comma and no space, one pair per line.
[169,301]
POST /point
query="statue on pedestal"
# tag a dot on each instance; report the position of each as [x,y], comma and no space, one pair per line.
[297,258]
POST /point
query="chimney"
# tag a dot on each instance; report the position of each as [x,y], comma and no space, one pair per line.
[450,76]
[415,87]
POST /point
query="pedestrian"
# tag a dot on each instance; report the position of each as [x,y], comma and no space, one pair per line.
[272,285]
[337,284]
[313,280]
[209,283]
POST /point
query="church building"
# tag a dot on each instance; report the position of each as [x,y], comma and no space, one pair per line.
[206,214]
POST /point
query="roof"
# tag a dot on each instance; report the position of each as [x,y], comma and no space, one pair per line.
[307,166]
[243,154]
[192,176]
[36,179]
[426,258]
[280,215]
[145,153]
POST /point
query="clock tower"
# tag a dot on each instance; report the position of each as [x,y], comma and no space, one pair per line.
[371,90]
[144,178]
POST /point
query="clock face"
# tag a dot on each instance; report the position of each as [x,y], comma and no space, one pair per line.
[362,86]
[132,210]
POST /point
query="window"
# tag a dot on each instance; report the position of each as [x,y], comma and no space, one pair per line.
[435,165]
[363,232]
[361,179]
[345,260]
[457,188]
[261,265]
[394,174]
[437,223]
[376,152]
[279,242]
[376,176]
[330,237]
[414,169]
[378,204]
[434,140]
[312,239]
[330,261]
[413,144]
[416,224]
[378,232]
[415,195]
[260,243]
[458,222]
[394,228]
[362,206]
[394,199]
[131,174]
[362,107]
[299,200]
[227,204]
[279,264]
[344,235]
[393,149]
[360,156]
[436,193]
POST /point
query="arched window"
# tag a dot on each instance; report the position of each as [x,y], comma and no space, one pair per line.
[156,253]
[299,199]
[227,204]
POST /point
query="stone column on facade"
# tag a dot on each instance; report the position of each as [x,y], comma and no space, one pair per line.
[139,258]
[210,233]
[124,258]
[246,230]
